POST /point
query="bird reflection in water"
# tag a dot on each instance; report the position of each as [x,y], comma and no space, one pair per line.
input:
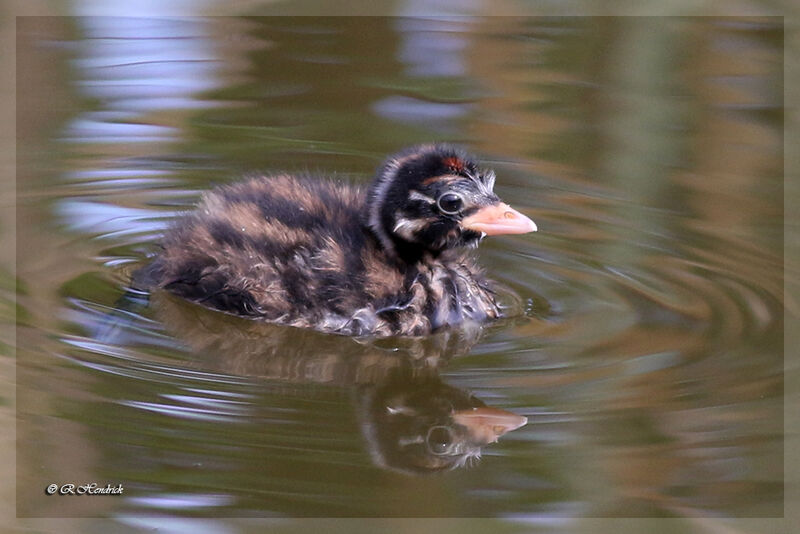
[418,424]
[411,420]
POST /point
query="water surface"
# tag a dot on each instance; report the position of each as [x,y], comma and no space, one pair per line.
[648,358]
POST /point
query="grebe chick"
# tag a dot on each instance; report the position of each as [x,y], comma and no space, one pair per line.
[391,260]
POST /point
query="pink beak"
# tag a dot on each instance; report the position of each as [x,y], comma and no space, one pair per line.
[499,219]
[486,424]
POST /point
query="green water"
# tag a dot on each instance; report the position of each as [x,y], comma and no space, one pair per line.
[649,356]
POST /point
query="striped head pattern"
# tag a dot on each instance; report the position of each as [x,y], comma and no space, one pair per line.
[431,198]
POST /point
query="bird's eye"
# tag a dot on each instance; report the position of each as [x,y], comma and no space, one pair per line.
[439,440]
[450,203]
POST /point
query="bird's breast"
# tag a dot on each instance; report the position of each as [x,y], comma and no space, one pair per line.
[453,295]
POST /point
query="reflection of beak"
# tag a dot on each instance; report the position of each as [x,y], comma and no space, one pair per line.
[486,424]
[499,219]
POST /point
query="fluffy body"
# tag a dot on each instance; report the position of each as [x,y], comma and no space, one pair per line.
[302,252]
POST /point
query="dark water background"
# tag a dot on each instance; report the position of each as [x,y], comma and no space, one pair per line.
[648,360]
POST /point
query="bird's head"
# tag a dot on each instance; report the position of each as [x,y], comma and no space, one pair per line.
[432,198]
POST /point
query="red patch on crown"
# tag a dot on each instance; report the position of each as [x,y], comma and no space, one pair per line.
[454,164]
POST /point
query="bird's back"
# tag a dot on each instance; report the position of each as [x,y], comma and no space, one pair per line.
[275,247]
